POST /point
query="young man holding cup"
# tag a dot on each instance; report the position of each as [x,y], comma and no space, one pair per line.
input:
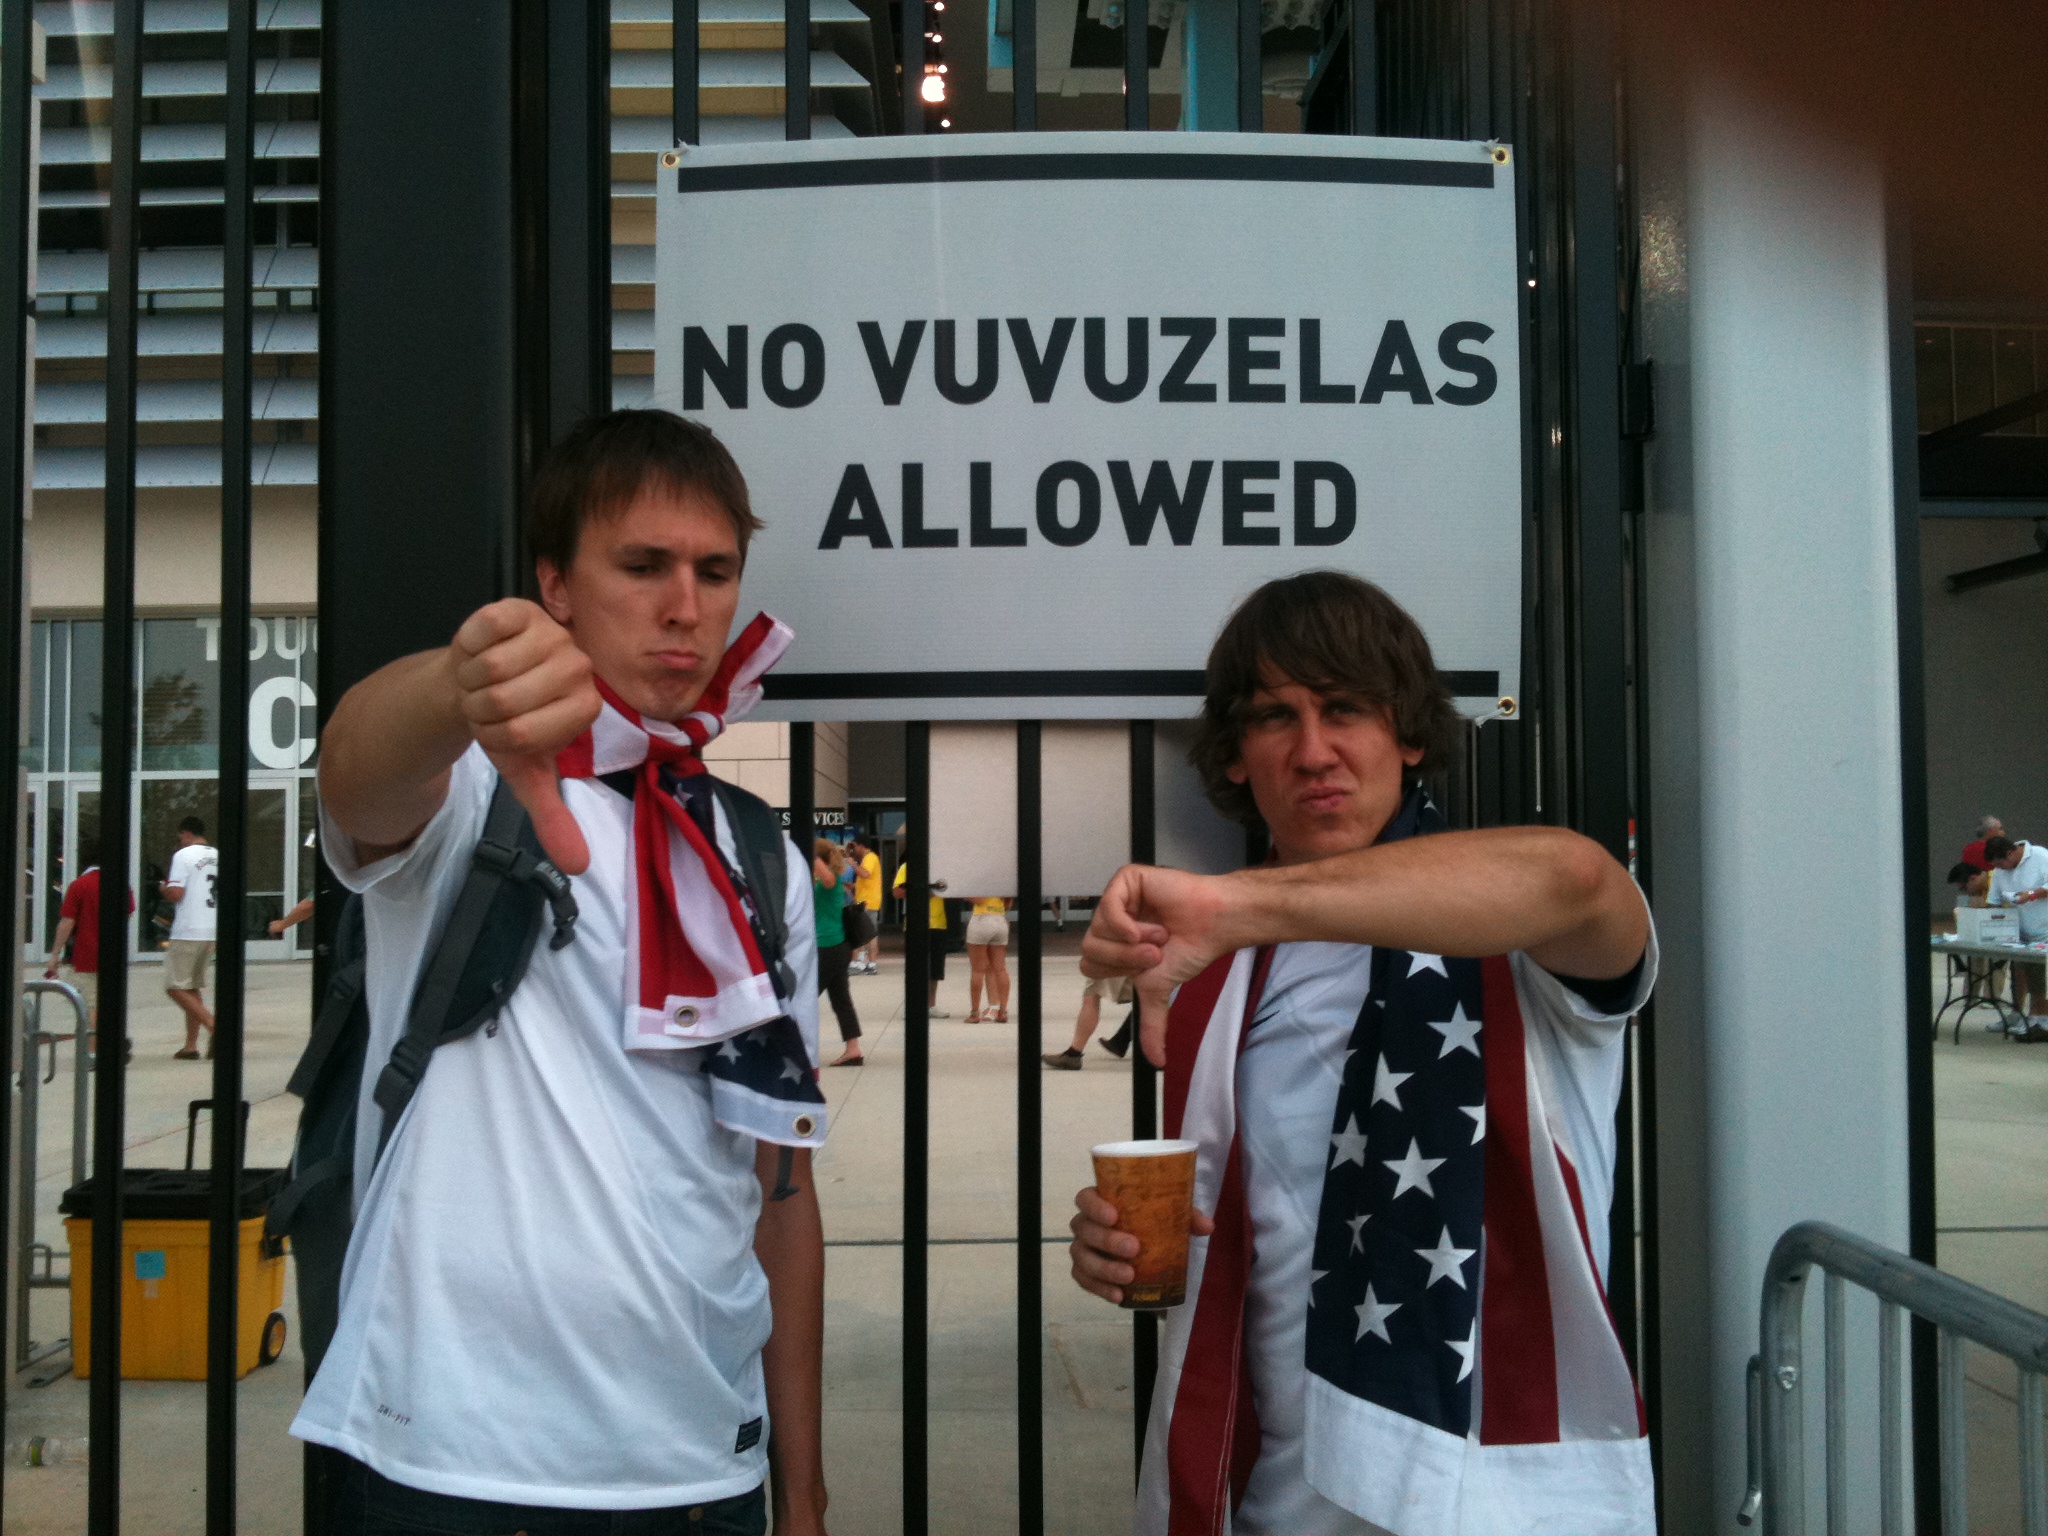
[1387,1040]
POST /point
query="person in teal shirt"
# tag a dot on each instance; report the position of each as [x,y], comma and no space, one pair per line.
[831,879]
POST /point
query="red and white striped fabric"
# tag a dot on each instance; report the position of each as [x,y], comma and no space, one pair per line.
[1556,1444]
[694,973]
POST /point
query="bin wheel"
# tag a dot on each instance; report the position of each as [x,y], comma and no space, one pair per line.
[273,1339]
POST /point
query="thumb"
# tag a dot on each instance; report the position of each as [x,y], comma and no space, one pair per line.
[536,787]
[1155,997]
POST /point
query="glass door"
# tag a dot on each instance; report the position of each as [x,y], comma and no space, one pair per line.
[33,878]
[271,824]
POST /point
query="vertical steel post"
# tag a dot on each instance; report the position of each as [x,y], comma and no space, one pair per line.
[1024,65]
[1891,1493]
[223,1276]
[796,69]
[1251,89]
[1144,1077]
[917,937]
[1914,909]
[683,72]
[1835,1402]
[1137,65]
[1784,1412]
[910,44]
[16,175]
[1030,1075]
[117,716]
[803,786]
[1950,1352]
[1364,62]
[2033,1464]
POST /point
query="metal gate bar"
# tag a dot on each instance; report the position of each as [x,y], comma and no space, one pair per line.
[224,1246]
[683,71]
[16,103]
[1961,1313]
[1144,1081]
[910,44]
[796,69]
[1030,1075]
[917,940]
[117,736]
[1137,64]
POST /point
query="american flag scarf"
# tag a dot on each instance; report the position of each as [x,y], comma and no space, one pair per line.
[1464,1374]
[696,971]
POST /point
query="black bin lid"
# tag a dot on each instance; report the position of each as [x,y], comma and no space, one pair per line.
[177,1194]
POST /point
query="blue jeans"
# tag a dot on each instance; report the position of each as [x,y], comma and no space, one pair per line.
[373,1505]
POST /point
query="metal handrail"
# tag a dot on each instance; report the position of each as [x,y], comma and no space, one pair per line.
[27,1351]
[1959,1310]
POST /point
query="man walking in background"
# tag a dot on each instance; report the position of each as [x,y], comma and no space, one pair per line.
[78,925]
[195,869]
[1117,989]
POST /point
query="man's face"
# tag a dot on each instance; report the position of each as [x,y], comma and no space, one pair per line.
[2010,861]
[650,597]
[187,839]
[1324,769]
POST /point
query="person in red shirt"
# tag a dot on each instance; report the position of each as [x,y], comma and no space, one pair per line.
[1973,853]
[78,925]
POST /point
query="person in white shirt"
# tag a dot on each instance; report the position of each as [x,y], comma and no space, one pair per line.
[2019,878]
[190,888]
[568,1289]
[1343,1120]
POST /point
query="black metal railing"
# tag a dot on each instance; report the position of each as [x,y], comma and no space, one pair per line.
[16,189]
[1450,68]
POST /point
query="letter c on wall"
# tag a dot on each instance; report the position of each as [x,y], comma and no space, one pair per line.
[264,745]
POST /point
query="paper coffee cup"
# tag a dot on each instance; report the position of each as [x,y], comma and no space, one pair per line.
[1152,1186]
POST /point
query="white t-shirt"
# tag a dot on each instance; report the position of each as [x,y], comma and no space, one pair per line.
[1288,1075]
[551,1296]
[2030,874]
[196,868]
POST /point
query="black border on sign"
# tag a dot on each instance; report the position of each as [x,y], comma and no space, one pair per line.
[910,170]
[814,686]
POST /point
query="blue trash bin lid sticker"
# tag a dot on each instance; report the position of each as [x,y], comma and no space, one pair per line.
[150,1264]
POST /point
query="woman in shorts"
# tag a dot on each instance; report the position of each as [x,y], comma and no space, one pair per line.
[988,942]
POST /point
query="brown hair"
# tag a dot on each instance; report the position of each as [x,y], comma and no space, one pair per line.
[833,855]
[1328,631]
[606,461]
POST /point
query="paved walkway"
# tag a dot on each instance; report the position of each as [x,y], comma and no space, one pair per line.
[1992,1108]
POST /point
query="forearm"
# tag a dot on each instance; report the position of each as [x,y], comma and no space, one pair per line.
[1551,892]
[790,1243]
[385,754]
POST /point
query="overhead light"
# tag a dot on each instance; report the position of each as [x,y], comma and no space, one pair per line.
[934,88]
[945,122]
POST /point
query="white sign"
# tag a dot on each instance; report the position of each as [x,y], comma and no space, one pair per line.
[1028,415]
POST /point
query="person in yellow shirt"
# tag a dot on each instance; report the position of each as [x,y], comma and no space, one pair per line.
[988,942]
[867,892]
[937,948]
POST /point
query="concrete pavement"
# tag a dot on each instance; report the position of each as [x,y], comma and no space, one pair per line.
[1992,1107]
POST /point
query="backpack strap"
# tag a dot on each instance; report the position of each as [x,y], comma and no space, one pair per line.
[506,854]
[759,839]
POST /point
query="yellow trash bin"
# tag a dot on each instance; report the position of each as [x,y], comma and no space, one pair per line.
[164,1248]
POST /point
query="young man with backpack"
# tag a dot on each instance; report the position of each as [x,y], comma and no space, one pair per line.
[586,1266]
